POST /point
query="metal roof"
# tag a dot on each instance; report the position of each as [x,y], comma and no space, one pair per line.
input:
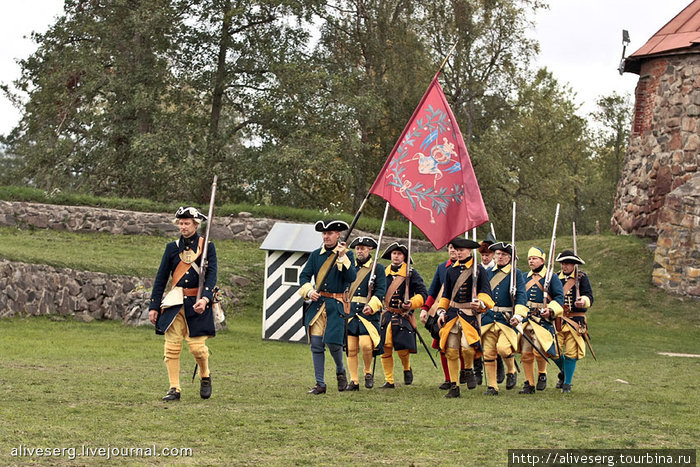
[292,237]
[682,32]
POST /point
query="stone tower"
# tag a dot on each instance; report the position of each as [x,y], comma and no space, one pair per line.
[658,195]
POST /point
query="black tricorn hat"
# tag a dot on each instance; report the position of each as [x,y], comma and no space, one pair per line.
[335,226]
[500,246]
[461,242]
[189,213]
[490,239]
[365,241]
[395,246]
[568,256]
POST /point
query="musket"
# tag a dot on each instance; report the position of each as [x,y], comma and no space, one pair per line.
[585,335]
[373,275]
[513,262]
[407,292]
[550,271]
[204,263]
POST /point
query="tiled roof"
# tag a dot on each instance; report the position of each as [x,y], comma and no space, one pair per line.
[681,32]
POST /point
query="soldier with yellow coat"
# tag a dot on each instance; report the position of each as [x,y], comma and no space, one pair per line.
[365,311]
[538,324]
[459,313]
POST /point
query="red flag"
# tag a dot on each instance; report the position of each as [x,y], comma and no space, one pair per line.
[429,177]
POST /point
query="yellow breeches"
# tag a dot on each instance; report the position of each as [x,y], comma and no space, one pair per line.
[355,345]
[388,358]
[572,342]
[465,334]
[317,327]
[176,333]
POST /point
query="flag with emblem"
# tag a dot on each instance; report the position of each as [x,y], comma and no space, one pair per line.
[429,177]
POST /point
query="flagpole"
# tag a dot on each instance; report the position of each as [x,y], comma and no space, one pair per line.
[447,57]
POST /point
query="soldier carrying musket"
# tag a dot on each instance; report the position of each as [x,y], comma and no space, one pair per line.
[573,332]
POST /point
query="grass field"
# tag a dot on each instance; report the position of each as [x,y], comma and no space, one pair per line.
[67,384]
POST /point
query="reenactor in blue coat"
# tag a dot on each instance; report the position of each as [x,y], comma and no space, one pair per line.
[428,315]
[498,336]
[459,313]
[365,312]
[539,323]
[398,325]
[179,315]
[325,317]
[574,326]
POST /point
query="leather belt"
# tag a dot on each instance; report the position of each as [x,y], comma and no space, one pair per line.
[503,309]
[359,299]
[465,307]
[538,305]
[337,295]
[190,292]
[398,311]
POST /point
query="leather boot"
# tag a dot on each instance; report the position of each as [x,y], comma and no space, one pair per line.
[500,370]
[462,376]
[445,386]
[408,377]
[542,382]
[352,386]
[453,392]
[205,387]
[527,389]
[560,380]
[491,392]
[369,381]
[511,380]
[471,379]
[565,388]
[387,385]
[172,395]
[342,381]
[316,390]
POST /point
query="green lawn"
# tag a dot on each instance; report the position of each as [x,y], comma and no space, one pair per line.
[67,384]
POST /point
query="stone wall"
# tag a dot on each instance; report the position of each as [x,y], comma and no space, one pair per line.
[677,256]
[664,147]
[118,222]
[35,289]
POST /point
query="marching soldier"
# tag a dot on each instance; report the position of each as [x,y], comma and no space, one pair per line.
[365,311]
[574,327]
[498,336]
[459,310]
[325,317]
[539,321]
[179,315]
[398,325]
[488,262]
[429,310]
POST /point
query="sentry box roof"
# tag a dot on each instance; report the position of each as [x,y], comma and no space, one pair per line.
[292,237]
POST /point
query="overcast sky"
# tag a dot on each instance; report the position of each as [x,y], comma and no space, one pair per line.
[581,42]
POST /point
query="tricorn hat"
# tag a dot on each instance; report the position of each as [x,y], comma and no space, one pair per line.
[395,246]
[568,256]
[490,239]
[335,226]
[364,241]
[461,242]
[189,213]
[500,246]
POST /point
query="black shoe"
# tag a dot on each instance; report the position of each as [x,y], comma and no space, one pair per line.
[561,380]
[408,377]
[500,370]
[318,389]
[205,388]
[511,380]
[445,386]
[462,376]
[527,389]
[342,381]
[387,386]
[478,371]
[542,382]
[369,381]
[453,392]
[491,392]
[566,388]
[172,395]
[352,386]
[471,379]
